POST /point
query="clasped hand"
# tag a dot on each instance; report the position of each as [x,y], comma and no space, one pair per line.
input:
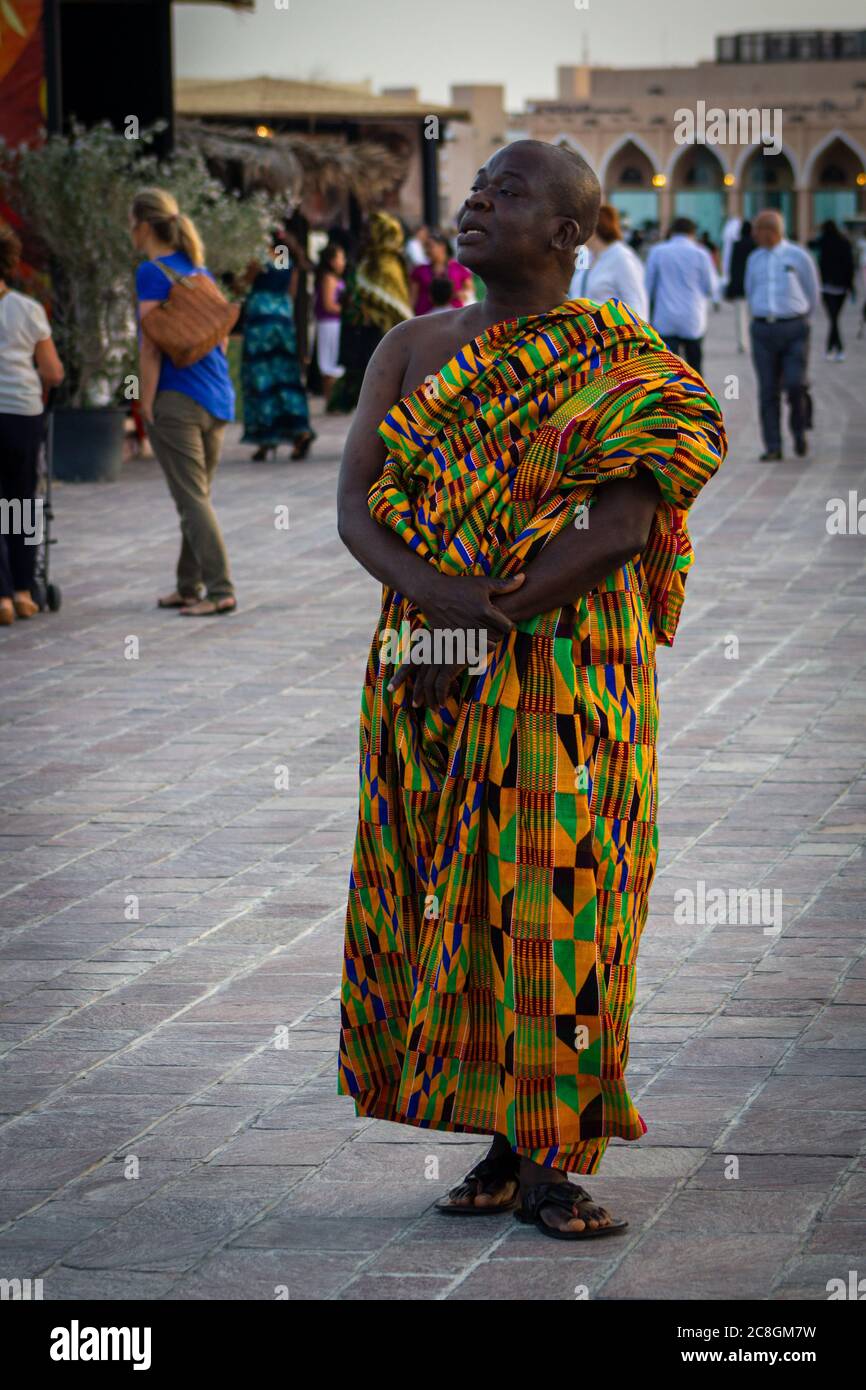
[455,604]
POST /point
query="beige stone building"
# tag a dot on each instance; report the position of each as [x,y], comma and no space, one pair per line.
[633,126]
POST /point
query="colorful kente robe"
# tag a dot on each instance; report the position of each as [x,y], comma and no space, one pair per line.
[506,841]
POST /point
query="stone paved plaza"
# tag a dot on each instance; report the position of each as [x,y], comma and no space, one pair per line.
[172,913]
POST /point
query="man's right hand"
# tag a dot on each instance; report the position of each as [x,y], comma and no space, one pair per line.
[467,602]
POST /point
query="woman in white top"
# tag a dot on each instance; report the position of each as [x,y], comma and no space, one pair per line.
[28,365]
[615,272]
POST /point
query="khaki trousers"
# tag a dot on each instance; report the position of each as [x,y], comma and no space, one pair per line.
[187,441]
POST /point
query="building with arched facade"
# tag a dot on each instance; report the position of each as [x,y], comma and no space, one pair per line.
[810,88]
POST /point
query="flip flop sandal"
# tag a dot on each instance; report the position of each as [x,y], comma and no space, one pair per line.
[569,1198]
[485,1177]
[176,600]
[207,608]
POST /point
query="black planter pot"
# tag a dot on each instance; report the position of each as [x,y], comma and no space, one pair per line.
[88,445]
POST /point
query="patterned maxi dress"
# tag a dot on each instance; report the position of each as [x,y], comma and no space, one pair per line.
[275,402]
[506,841]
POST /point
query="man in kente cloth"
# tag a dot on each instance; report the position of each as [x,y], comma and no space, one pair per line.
[521,468]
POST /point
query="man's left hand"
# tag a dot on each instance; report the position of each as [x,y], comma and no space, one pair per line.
[431,683]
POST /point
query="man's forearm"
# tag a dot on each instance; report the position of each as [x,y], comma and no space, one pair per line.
[571,565]
[579,559]
[384,555]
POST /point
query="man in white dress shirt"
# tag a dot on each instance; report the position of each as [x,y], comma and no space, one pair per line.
[782,288]
[680,281]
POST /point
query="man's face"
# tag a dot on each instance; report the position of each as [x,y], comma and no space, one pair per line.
[767,231]
[506,221]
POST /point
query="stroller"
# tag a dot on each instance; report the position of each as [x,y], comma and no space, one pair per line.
[44,592]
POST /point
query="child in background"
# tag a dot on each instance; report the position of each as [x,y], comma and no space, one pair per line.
[441,294]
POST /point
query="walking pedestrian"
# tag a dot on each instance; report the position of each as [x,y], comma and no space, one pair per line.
[836,264]
[29,366]
[186,409]
[735,288]
[680,280]
[781,285]
[274,400]
[731,233]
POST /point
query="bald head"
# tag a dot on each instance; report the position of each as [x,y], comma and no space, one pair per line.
[768,228]
[571,187]
[530,207]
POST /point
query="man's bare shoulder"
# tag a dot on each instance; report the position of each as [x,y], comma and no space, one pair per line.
[434,327]
[424,344]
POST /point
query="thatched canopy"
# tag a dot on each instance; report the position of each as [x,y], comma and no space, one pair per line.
[296,165]
[288,98]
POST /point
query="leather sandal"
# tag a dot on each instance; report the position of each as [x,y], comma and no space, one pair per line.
[485,1177]
[569,1198]
[208,608]
[176,600]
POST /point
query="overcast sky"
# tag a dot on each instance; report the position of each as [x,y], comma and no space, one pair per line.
[432,44]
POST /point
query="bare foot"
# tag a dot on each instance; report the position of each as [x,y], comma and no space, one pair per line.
[25,606]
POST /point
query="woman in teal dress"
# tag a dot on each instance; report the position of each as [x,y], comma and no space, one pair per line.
[275,402]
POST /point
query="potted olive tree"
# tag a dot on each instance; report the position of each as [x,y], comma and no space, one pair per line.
[74,193]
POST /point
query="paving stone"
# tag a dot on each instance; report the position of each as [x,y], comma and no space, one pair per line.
[81,1285]
[269,1275]
[765,1130]
[394,1287]
[703,1266]
[810,1276]
[157,778]
[579,1278]
[777,1170]
[363,1235]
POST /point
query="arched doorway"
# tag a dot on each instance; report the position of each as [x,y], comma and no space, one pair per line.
[768,182]
[833,184]
[628,185]
[699,189]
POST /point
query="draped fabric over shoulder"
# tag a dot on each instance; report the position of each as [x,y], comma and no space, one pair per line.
[506,841]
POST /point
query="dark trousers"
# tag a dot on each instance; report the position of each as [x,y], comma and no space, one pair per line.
[833,304]
[20,438]
[780,352]
[690,349]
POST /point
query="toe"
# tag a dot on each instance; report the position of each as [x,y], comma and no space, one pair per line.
[576,1223]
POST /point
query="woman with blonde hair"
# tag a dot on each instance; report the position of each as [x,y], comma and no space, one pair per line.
[186,409]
